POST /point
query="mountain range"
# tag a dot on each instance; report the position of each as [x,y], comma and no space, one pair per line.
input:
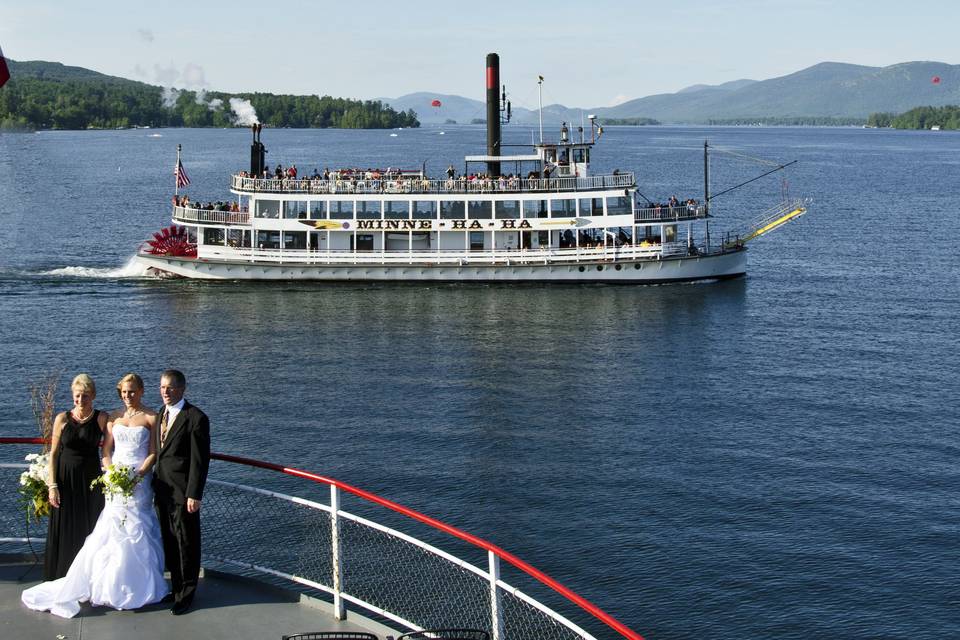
[826,90]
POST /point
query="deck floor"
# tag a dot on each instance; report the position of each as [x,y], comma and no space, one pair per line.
[225,607]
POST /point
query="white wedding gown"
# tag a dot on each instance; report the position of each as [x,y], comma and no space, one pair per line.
[121,562]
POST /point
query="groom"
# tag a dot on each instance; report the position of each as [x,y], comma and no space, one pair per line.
[183,457]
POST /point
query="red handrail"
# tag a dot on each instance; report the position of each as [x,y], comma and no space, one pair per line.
[532,571]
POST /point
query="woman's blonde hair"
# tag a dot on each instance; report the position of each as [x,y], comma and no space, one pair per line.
[130,377]
[84,383]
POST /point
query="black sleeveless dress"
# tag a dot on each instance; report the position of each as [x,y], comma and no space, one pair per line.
[78,464]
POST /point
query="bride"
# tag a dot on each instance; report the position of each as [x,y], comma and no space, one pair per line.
[121,562]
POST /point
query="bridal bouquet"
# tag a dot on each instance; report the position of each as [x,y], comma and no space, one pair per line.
[117,481]
[33,486]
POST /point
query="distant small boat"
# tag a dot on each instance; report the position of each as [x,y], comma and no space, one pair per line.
[935,127]
[393,135]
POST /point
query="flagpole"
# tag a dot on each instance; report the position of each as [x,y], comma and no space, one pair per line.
[176,174]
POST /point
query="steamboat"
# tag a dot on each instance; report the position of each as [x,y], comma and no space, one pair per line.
[536,217]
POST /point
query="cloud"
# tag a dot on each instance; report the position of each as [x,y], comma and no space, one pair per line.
[191,76]
[145,34]
[166,76]
[139,71]
[620,99]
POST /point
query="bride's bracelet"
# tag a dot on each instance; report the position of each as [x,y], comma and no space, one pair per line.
[54,486]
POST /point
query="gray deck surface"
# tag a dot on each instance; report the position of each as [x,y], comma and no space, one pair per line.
[225,607]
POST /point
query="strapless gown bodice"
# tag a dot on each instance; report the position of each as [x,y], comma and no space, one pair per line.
[121,562]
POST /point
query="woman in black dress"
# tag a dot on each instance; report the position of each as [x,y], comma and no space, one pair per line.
[74,463]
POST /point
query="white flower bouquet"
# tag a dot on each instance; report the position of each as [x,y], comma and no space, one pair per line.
[34,493]
[117,481]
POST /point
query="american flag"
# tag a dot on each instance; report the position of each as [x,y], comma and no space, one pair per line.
[182,178]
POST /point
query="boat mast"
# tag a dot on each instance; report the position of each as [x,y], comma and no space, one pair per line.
[540,103]
[706,190]
[176,174]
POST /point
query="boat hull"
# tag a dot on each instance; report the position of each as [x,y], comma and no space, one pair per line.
[675,269]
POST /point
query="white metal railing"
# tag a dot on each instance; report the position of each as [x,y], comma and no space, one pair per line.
[451,258]
[354,559]
[189,214]
[663,214]
[320,186]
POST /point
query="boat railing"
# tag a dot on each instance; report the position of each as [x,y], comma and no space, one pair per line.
[583,254]
[190,214]
[663,214]
[320,186]
[318,547]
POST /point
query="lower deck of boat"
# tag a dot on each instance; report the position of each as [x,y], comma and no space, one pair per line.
[226,606]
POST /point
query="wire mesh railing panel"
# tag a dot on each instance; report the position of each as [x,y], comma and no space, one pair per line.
[410,581]
[252,528]
[520,619]
[13,517]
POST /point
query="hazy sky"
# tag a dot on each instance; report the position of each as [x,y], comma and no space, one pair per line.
[591,53]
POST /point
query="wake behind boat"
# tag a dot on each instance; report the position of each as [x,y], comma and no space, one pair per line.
[538,217]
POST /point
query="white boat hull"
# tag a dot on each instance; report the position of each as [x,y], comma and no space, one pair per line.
[675,269]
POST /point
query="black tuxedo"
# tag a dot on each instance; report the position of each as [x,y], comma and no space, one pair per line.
[180,473]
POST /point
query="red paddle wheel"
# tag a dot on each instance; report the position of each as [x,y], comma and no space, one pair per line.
[172,241]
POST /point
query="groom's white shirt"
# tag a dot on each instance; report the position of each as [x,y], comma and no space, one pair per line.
[173,411]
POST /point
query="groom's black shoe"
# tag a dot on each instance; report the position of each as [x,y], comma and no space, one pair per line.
[180,608]
[167,599]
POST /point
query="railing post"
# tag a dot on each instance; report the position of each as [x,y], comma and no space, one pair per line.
[496,615]
[339,611]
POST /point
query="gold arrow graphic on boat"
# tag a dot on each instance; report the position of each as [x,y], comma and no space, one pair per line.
[574,222]
[323,224]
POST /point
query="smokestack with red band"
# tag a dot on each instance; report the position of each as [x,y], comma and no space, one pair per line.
[493,112]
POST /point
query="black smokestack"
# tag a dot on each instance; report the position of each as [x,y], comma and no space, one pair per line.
[493,112]
[257,152]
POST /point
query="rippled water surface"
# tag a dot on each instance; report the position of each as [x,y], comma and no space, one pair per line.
[770,457]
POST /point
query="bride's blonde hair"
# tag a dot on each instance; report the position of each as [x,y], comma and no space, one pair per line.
[130,377]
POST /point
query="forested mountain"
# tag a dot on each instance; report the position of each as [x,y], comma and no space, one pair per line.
[49,95]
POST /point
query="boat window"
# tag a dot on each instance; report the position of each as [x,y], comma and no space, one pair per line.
[396,210]
[268,209]
[476,240]
[364,242]
[212,236]
[341,209]
[238,238]
[534,208]
[618,206]
[268,239]
[425,209]
[563,208]
[670,233]
[591,206]
[295,240]
[294,209]
[318,210]
[368,209]
[506,209]
[452,209]
[479,209]
[578,155]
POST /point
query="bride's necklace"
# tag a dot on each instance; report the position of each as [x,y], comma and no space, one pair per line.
[127,414]
[79,418]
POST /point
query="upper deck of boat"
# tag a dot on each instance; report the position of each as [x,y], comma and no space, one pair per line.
[368,183]
[226,607]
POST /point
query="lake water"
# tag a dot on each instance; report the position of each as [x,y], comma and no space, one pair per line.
[770,457]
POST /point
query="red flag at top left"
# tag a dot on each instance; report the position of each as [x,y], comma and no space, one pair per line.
[4,71]
[182,179]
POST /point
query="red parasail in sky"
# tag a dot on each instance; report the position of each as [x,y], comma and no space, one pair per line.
[437,103]
[935,80]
